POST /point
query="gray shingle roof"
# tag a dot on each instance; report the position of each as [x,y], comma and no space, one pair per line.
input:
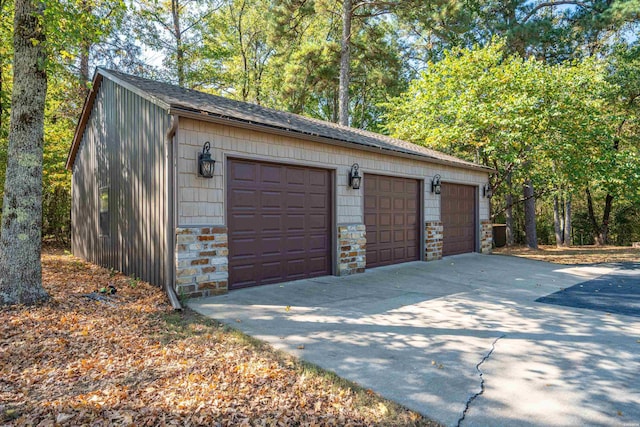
[178,98]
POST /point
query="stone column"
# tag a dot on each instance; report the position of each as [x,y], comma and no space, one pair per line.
[352,249]
[486,236]
[201,261]
[433,240]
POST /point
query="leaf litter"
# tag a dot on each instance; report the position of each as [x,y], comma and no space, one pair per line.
[127,358]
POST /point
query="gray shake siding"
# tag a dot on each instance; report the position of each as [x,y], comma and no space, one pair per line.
[123,153]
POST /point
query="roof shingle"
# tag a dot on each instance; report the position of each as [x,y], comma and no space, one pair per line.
[178,98]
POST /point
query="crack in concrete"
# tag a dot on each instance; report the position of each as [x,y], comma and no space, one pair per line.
[473,397]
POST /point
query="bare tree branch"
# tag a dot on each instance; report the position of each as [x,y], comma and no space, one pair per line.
[553,4]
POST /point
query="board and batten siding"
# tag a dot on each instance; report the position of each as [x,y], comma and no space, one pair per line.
[123,149]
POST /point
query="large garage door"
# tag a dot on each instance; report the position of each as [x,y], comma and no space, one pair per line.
[458,214]
[279,220]
[391,215]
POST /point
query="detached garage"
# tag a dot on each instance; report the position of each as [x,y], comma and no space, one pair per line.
[202,194]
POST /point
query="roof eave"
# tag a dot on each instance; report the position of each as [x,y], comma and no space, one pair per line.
[84,118]
[213,118]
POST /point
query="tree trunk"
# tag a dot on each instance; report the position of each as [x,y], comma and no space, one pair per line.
[567,221]
[345,63]
[21,239]
[85,50]
[603,236]
[600,231]
[509,212]
[592,215]
[530,214]
[177,33]
[557,226]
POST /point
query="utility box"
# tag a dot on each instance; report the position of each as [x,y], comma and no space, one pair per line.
[499,235]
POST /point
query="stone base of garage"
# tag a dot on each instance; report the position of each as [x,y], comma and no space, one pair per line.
[433,240]
[352,249]
[201,261]
[202,254]
[486,237]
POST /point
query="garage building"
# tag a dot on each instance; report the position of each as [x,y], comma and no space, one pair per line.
[281,203]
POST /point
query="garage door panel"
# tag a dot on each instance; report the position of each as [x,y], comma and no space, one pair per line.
[245,247]
[245,223]
[244,198]
[372,241]
[295,200]
[318,221]
[318,201]
[398,204]
[294,222]
[458,212]
[369,202]
[295,267]
[295,176]
[384,237]
[384,220]
[243,273]
[279,221]
[270,174]
[372,257]
[269,247]
[318,243]
[391,219]
[243,172]
[400,253]
[295,245]
[318,178]
[317,265]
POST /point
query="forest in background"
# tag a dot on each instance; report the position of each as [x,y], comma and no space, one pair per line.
[547,93]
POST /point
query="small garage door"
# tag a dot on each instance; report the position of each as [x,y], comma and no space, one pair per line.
[279,221]
[391,216]
[458,213]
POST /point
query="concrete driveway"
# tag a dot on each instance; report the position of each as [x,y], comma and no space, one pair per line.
[461,340]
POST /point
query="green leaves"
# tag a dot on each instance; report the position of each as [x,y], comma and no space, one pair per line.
[484,104]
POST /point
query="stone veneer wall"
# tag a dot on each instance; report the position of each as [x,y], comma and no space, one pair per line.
[201,261]
[433,240]
[352,250]
[486,236]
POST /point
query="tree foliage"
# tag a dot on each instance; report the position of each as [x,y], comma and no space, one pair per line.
[566,126]
[554,101]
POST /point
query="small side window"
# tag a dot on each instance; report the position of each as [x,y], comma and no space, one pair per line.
[103,209]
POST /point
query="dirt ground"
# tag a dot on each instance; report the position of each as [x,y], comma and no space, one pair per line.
[575,254]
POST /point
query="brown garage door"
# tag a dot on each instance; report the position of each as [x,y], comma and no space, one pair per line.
[458,215]
[391,215]
[279,220]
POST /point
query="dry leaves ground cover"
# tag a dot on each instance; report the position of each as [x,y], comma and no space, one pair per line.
[128,359]
[575,254]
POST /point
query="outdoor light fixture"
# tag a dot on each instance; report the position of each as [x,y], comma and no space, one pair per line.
[487,191]
[205,162]
[436,185]
[354,177]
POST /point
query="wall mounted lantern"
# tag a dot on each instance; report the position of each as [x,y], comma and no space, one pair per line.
[354,177]
[436,185]
[205,162]
[487,191]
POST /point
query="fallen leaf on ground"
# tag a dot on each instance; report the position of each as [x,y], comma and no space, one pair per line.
[77,361]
